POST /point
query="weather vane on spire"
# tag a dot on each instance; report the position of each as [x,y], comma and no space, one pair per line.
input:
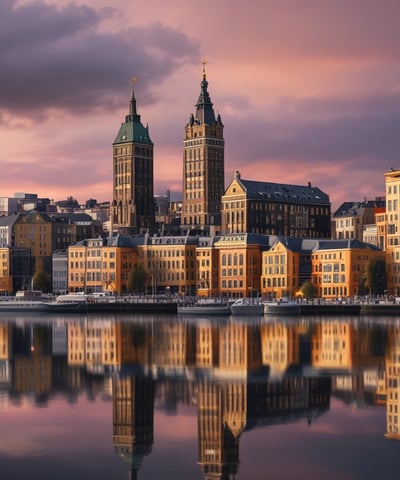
[133,80]
[204,61]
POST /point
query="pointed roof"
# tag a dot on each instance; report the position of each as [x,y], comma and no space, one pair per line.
[132,130]
[204,107]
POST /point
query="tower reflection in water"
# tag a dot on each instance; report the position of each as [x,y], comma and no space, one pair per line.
[239,374]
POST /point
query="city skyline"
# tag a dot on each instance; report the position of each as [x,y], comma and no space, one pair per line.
[308,94]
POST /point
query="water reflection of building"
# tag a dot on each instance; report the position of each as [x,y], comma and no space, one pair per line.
[32,361]
[392,373]
[221,419]
[280,346]
[5,353]
[227,368]
[133,412]
[341,345]
[352,354]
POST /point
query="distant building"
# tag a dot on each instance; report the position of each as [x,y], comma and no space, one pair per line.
[7,234]
[133,184]
[8,205]
[203,167]
[60,272]
[250,206]
[16,267]
[350,218]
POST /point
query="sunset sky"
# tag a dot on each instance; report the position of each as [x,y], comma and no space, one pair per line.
[308,90]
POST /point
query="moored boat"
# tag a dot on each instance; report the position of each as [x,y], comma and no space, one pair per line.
[282,307]
[205,308]
[247,306]
[16,305]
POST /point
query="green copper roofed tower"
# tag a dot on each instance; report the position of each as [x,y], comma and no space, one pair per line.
[203,166]
[133,184]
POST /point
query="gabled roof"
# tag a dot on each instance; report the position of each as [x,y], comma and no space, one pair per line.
[32,215]
[256,190]
[9,220]
[297,244]
[350,209]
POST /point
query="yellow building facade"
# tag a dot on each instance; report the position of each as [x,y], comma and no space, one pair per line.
[170,264]
[339,267]
[240,264]
[392,185]
[97,267]
[6,281]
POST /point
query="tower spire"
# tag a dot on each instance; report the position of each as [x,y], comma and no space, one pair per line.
[204,68]
[204,108]
[132,103]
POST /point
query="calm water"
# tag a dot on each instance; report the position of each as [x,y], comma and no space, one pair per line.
[165,397]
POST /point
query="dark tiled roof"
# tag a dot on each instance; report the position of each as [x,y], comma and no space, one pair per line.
[342,244]
[353,208]
[71,217]
[284,193]
[298,244]
[8,220]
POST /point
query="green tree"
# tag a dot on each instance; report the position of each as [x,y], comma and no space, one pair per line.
[375,277]
[137,279]
[308,289]
[41,281]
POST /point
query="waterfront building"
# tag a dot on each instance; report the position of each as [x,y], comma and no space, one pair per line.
[132,208]
[286,266]
[16,270]
[101,265]
[339,266]
[203,166]
[240,264]
[170,264]
[349,219]
[207,267]
[392,185]
[267,208]
[60,272]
